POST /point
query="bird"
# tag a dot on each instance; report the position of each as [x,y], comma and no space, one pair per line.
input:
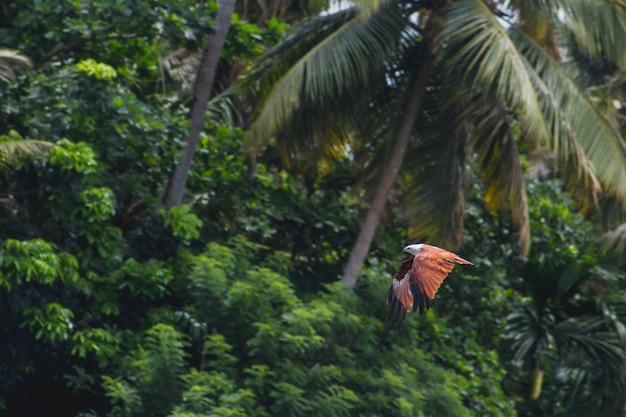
[418,279]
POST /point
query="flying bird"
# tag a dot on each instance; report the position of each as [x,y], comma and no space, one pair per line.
[418,279]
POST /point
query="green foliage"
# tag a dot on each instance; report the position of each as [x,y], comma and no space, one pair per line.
[214,394]
[78,157]
[35,261]
[96,205]
[100,342]
[159,367]
[230,306]
[564,327]
[52,323]
[125,398]
[247,40]
[183,222]
[78,28]
[96,70]
[313,224]
[155,369]
[322,357]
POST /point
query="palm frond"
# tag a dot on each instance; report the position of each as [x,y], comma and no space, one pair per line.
[9,61]
[346,52]
[602,348]
[598,26]
[531,335]
[498,157]
[13,148]
[581,136]
[475,43]
[355,124]
[310,147]
[221,109]
[434,180]
[552,109]
[615,241]
[381,113]
[24,147]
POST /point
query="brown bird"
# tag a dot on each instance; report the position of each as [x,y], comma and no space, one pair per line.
[418,279]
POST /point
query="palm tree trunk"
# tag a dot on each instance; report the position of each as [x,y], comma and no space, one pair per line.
[536,382]
[390,172]
[201,94]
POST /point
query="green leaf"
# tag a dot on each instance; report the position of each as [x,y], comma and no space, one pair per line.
[183,222]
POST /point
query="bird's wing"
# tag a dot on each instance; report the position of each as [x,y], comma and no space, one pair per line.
[431,266]
[399,286]
[399,295]
[404,295]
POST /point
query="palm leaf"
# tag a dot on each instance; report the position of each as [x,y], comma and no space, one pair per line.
[382,112]
[433,178]
[13,148]
[495,79]
[599,356]
[221,109]
[310,147]
[598,26]
[495,145]
[615,241]
[601,347]
[552,109]
[473,40]
[531,335]
[9,60]
[347,52]
[582,137]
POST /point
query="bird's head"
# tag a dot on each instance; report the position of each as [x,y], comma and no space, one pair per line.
[413,249]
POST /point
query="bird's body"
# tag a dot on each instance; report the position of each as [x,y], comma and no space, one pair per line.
[418,279]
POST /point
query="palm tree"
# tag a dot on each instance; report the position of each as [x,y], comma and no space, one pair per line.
[571,331]
[435,83]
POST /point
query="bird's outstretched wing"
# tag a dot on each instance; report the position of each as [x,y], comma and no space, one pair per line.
[431,267]
[417,280]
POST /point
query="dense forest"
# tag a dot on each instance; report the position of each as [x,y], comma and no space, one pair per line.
[202,206]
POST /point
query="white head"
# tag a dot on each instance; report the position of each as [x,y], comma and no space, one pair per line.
[413,249]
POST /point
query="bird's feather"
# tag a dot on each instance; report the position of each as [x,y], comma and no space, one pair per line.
[418,279]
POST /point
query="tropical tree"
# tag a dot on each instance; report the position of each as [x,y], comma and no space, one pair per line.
[202,93]
[207,72]
[436,83]
[569,329]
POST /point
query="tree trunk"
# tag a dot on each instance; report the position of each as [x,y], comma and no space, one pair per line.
[390,172]
[201,94]
[536,383]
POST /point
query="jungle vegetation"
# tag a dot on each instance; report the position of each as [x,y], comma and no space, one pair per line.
[202,206]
